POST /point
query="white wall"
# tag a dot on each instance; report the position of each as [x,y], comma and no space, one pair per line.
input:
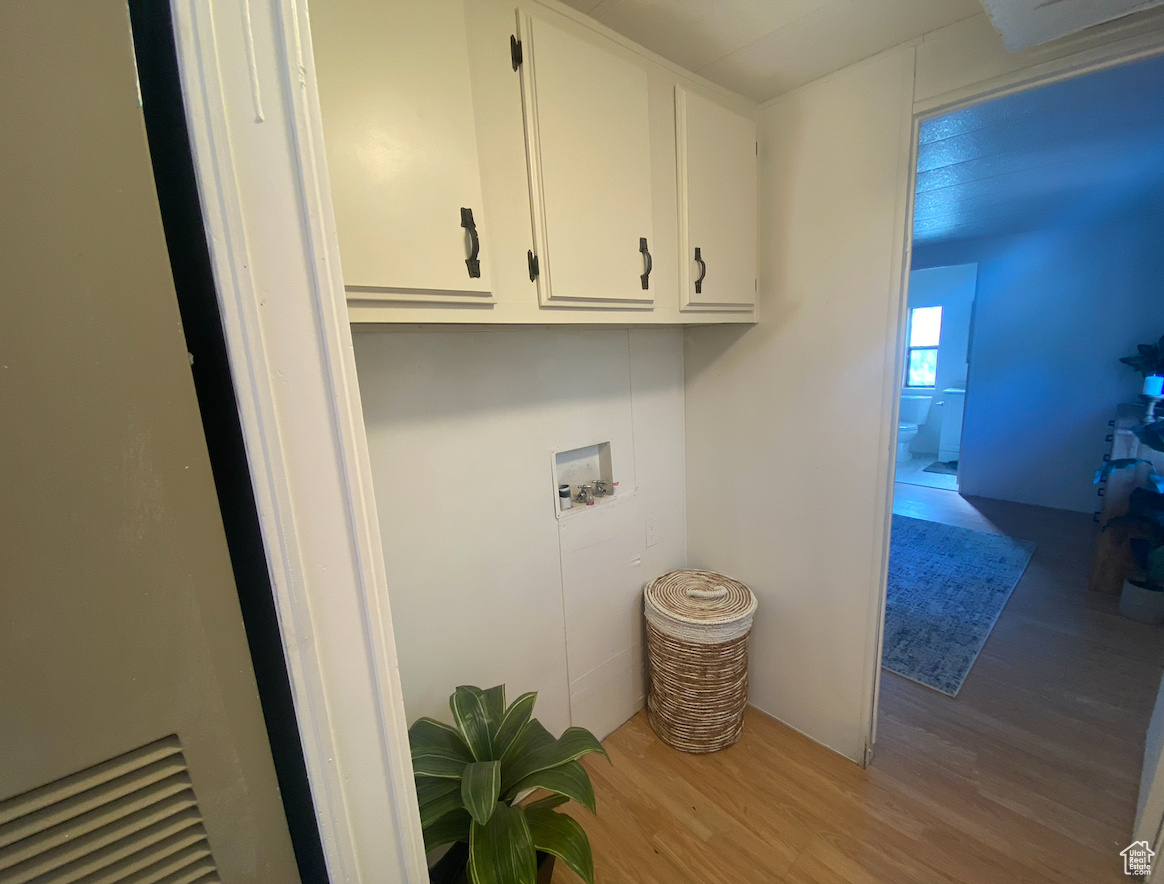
[1056,310]
[952,289]
[788,423]
[487,585]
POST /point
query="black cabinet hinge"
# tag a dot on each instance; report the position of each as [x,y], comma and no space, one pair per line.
[515,51]
[534,269]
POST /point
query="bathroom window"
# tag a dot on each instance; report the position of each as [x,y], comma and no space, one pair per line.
[921,361]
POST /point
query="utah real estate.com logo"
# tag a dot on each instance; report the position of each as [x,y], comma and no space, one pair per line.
[1138,858]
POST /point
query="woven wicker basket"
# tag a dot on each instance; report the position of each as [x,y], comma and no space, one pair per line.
[697,641]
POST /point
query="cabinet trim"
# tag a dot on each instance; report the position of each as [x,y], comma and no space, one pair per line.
[533,158]
[419,296]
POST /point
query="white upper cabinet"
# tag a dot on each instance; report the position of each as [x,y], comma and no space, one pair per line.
[401,147]
[716,152]
[588,150]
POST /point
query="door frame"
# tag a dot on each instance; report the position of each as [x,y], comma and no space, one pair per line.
[1131,42]
[252,109]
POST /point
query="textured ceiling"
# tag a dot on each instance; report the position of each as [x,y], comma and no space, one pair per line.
[1026,23]
[761,48]
[1066,153]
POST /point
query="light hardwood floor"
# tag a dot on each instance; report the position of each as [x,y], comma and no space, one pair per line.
[1029,775]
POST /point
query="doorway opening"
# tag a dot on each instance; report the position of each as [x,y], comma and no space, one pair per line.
[933,386]
[1034,270]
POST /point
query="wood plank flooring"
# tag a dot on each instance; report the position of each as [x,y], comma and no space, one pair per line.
[1030,775]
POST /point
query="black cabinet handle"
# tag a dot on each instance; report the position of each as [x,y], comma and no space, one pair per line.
[646,253]
[470,225]
[702,272]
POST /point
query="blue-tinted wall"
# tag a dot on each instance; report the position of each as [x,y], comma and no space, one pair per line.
[1056,309]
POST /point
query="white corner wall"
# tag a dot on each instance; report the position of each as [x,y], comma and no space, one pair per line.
[788,422]
[789,431]
[487,585]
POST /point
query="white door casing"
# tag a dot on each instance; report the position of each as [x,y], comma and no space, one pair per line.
[253,114]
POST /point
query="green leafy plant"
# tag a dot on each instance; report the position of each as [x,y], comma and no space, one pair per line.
[1148,359]
[470,777]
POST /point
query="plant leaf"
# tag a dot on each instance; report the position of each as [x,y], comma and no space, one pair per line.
[430,788]
[561,835]
[437,749]
[502,851]
[480,789]
[453,826]
[494,699]
[569,779]
[515,718]
[436,797]
[547,803]
[1109,467]
[433,810]
[532,736]
[472,718]
[572,745]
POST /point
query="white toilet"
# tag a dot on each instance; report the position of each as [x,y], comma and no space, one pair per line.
[914,411]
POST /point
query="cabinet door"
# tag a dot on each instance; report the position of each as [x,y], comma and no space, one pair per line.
[401,147]
[589,157]
[716,151]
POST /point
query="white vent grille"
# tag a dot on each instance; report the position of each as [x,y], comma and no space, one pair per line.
[132,818]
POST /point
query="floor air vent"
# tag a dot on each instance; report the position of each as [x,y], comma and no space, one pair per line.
[132,818]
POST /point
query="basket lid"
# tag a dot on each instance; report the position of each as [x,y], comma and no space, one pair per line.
[688,600]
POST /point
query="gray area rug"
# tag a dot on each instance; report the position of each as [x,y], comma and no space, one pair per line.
[947,587]
[943,467]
